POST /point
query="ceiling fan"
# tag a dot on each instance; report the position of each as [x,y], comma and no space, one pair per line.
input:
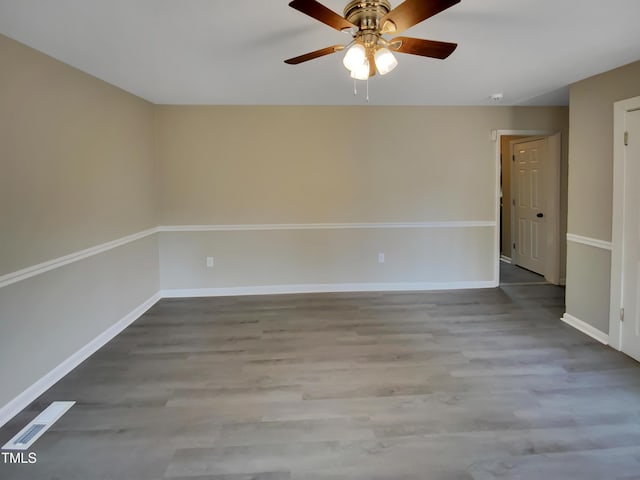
[368,21]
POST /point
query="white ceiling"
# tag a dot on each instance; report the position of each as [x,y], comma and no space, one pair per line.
[232,51]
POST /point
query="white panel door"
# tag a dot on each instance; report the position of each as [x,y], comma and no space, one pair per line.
[529,200]
[631,240]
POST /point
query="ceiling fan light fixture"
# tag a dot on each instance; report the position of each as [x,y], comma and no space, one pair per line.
[355,57]
[385,60]
[361,72]
[368,21]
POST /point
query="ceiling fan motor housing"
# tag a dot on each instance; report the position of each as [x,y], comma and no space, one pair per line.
[366,14]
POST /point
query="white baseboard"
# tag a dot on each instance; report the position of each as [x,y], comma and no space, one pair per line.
[325,226]
[323,288]
[585,328]
[15,406]
[505,259]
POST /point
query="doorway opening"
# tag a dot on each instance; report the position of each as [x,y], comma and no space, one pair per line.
[528,240]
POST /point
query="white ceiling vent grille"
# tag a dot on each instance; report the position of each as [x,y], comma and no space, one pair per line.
[34,430]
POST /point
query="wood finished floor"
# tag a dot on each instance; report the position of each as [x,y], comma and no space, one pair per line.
[484,384]
[515,275]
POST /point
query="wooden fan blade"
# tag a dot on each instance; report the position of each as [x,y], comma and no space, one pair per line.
[425,48]
[321,13]
[312,55]
[412,12]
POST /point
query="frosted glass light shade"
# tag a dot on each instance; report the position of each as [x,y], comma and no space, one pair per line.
[361,72]
[355,57]
[385,61]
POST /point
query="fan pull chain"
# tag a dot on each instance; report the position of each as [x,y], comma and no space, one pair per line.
[355,89]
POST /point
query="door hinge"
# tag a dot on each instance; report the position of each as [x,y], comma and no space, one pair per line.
[514,202]
[513,157]
[626,138]
[514,246]
[622,314]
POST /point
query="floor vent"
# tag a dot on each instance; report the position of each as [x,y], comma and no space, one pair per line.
[29,434]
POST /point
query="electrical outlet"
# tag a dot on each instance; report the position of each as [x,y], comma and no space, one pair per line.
[381,258]
[210,262]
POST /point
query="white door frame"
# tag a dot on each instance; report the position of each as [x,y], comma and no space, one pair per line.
[620,110]
[497,136]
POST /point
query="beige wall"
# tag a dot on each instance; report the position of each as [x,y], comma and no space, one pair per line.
[591,189]
[236,165]
[588,284]
[291,165]
[77,160]
[328,259]
[76,170]
[591,147]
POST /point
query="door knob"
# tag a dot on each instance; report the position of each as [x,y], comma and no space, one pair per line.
[540,215]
